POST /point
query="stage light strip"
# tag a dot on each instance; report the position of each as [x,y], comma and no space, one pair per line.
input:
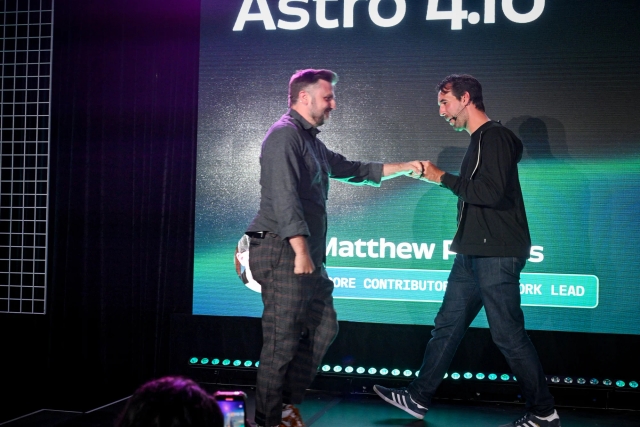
[407,373]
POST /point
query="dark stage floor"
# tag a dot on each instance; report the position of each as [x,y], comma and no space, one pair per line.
[327,410]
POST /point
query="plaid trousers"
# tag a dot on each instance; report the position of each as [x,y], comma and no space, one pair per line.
[298,325]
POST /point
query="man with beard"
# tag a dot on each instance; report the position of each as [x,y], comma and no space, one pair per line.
[492,245]
[288,244]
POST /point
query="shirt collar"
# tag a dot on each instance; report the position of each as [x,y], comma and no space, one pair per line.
[303,122]
[486,125]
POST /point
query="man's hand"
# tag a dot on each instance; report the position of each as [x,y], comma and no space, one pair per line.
[431,173]
[303,264]
[391,170]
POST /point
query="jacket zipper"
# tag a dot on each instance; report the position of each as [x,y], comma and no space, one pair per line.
[472,173]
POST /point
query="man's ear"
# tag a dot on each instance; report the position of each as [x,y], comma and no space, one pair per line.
[304,97]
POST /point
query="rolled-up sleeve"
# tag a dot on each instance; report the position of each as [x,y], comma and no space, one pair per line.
[356,173]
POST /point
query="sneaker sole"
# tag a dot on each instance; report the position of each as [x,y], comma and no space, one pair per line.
[398,405]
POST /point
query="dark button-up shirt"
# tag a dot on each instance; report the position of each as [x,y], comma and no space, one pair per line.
[295,167]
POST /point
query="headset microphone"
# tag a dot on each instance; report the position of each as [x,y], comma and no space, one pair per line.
[454,118]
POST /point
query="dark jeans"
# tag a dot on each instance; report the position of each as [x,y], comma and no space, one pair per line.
[493,282]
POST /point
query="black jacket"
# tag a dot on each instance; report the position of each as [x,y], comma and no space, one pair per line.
[491,216]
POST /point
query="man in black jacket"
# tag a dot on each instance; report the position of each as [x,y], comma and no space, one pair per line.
[492,245]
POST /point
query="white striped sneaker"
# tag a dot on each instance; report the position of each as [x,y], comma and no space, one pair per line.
[530,420]
[401,398]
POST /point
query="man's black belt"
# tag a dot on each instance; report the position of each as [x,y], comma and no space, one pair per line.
[257,234]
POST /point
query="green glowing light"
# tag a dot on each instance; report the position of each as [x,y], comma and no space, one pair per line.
[372,371]
[337,368]
[215,361]
[568,380]
[226,362]
[348,369]
[360,370]
[248,363]
[407,373]
[468,375]
[455,376]
[237,362]
[193,360]
[581,381]
[204,361]
[633,384]
[480,376]
[446,375]
[395,372]
[593,381]
[326,368]
[607,382]
[257,363]
[493,377]
[505,377]
[384,371]
[620,383]
[555,380]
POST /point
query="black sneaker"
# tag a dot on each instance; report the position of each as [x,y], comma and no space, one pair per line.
[401,398]
[530,420]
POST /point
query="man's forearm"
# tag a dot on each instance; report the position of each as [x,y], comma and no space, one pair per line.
[299,245]
[392,170]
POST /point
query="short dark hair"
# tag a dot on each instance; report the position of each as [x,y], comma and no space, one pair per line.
[171,401]
[304,78]
[458,84]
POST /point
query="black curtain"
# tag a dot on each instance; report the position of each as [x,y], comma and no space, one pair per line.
[122,175]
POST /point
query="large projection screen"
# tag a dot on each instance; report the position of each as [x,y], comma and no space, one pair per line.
[562,74]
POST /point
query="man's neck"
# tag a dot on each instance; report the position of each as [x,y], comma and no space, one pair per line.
[307,117]
[476,119]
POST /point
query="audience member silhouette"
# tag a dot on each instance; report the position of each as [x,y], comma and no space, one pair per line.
[171,402]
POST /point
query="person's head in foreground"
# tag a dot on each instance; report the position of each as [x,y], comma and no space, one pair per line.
[171,402]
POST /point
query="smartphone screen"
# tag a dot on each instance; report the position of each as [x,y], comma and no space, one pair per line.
[233,410]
